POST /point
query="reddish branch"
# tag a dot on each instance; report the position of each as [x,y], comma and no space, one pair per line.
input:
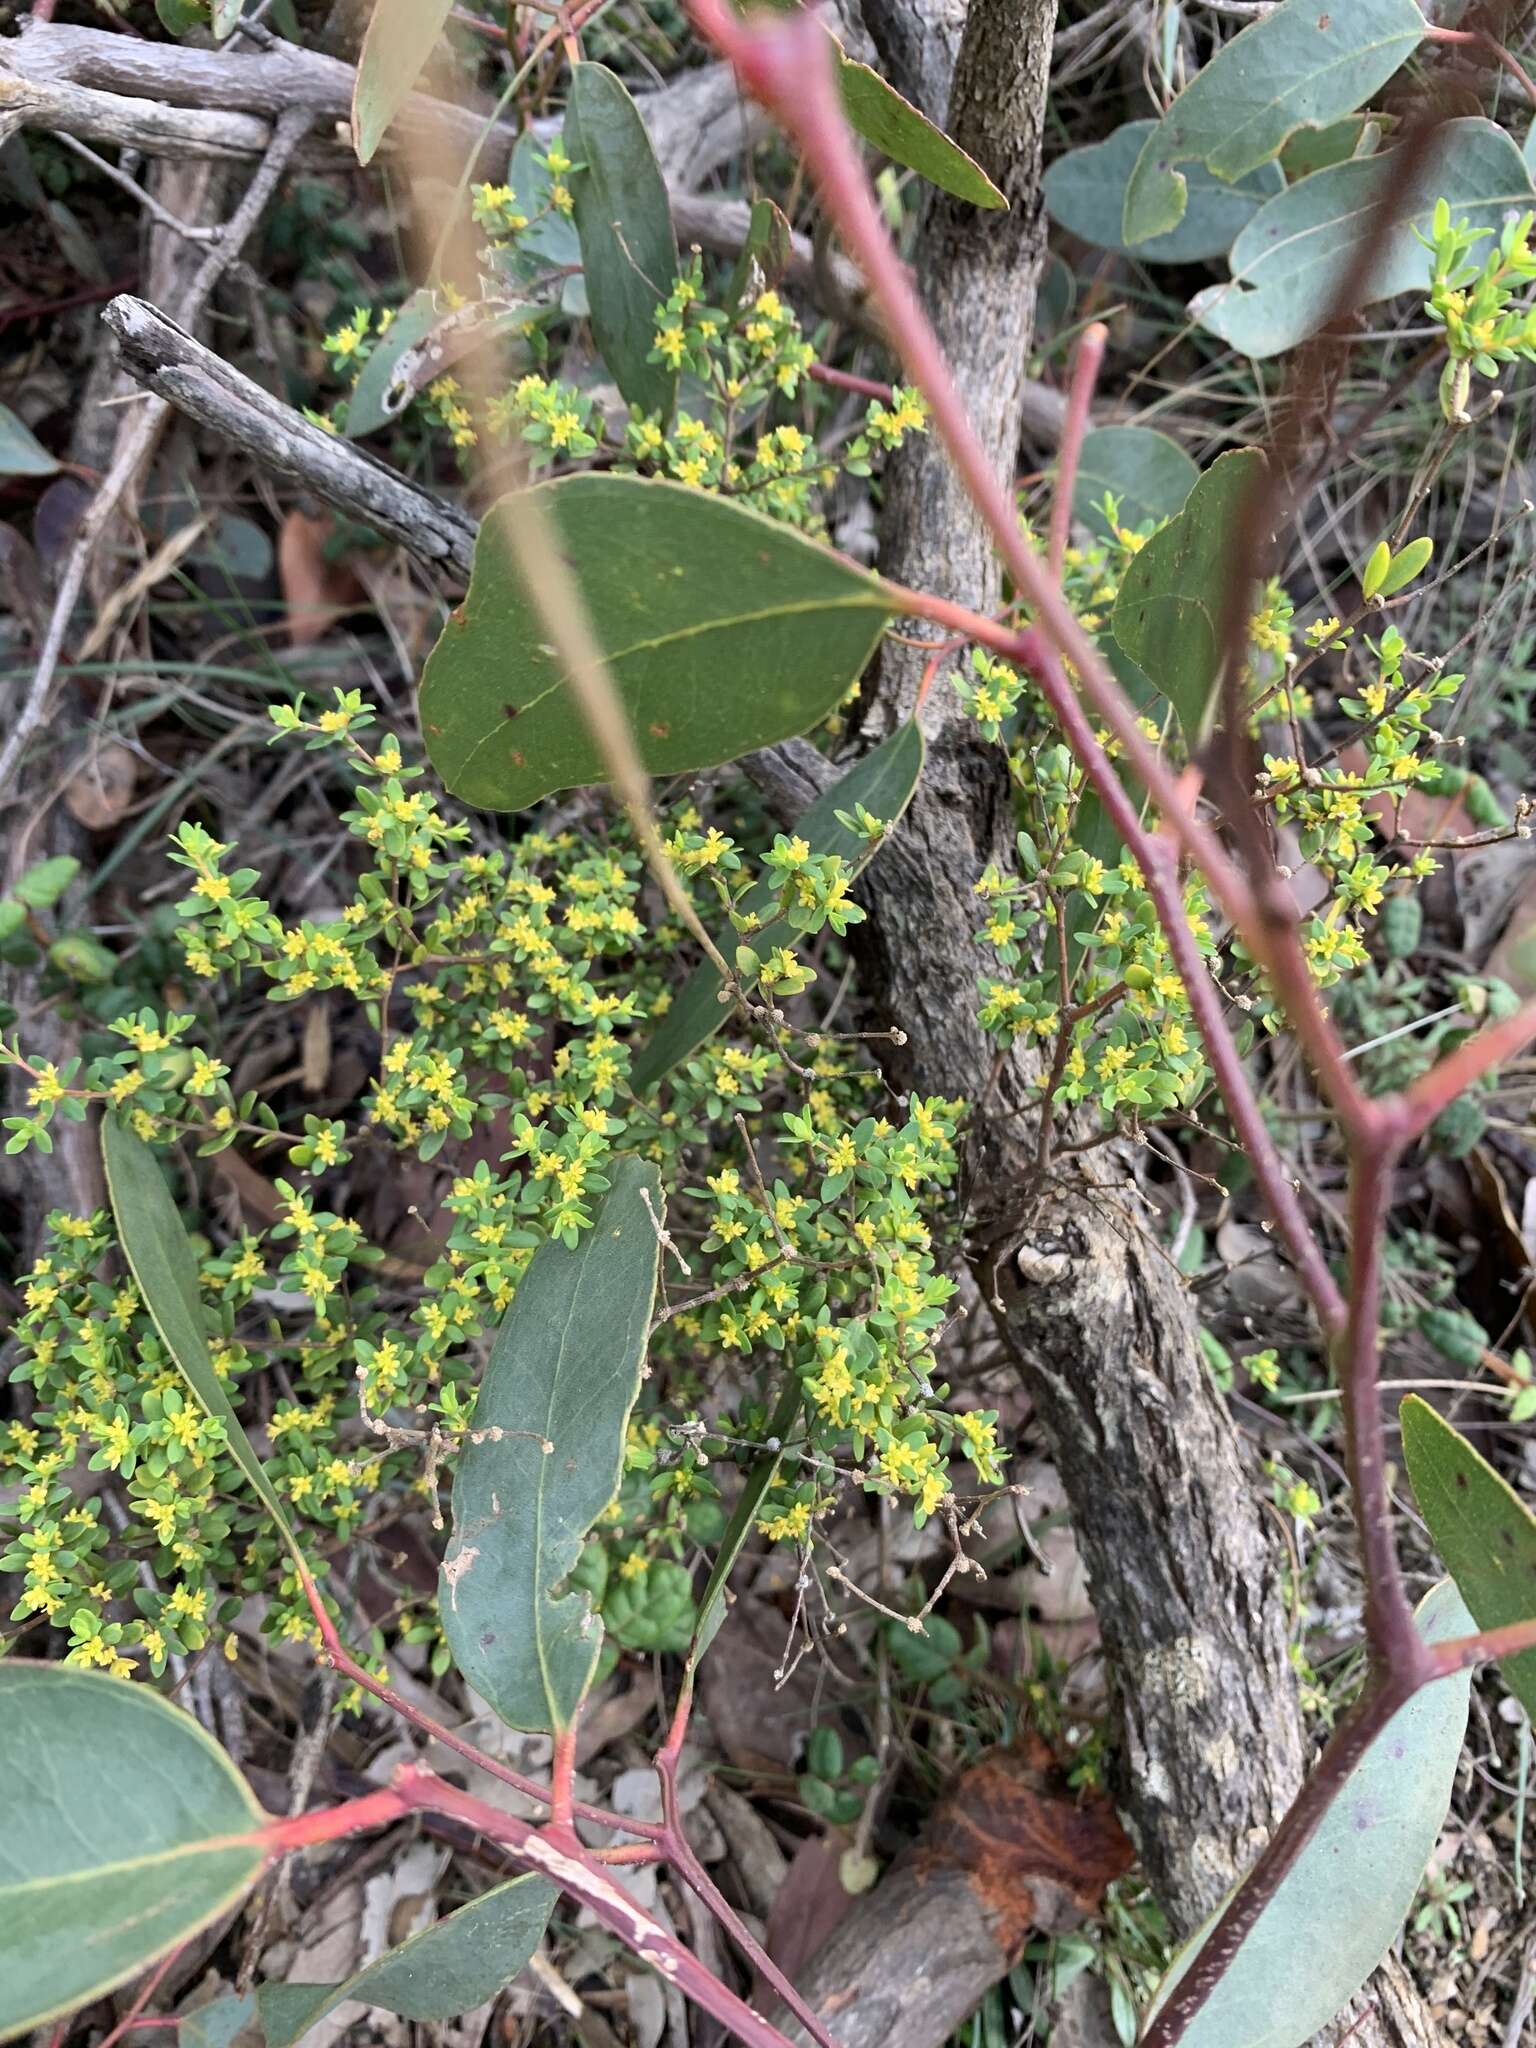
[783,62]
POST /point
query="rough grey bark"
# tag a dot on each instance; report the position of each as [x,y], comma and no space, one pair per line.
[1186,1576]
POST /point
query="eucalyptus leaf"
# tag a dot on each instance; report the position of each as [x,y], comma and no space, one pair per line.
[401,35]
[124,1829]
[1303,65]
[458,1962]
[164,1265]
[883,782]
[219,2023]
[21,453]
[897,129]
[1085,194]
[371,403]
[1339,1908]
[1482,1529]
[226,17]
[564,1370]
[723,632]
[763,1472]
[764,255]
[1148,473]
[624,222]
[1168,614]
[1290,262]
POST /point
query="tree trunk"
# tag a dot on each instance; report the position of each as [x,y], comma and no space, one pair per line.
[1186,1576]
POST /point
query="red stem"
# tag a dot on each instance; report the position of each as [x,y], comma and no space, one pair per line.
[1085,374]
[1490,1645]
[1493,46]
[150,1986]
[349,1668]
[844,380]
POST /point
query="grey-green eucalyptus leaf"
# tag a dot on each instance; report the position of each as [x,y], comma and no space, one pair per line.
[624,221]
[162,1261]
[124,1828]
[564,1372]
[1301,66]
[1290,262]
[1337,1911]
[456,1963]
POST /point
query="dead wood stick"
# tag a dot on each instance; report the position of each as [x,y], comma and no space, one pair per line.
[135,444]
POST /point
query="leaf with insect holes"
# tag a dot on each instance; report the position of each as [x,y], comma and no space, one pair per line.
[1149,475]
[1290,262]
[1302,66]
[1343,1900]
[1482,1529]
[1168,614]
[628,249]
[883,782]
[401,35]
[458,1962]
[564,1370]
[162,1262]
[1085,194]
[723,631]
[896,128]
[124,1829]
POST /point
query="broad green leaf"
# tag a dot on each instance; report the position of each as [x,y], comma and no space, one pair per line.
[1289,263]
[1085,194]
[400,37]
[1148,473]
[723,631]
[226,14]
[1168,615]
[163,1263]
[764,1470]
[458,1962]
[628,250]
[883,782]
[565,1368]
[372,402]
[1481,1527]
[21,453]
[1338,1911]
[123,1830]
[899,131]
[1318,149]
[1302,66]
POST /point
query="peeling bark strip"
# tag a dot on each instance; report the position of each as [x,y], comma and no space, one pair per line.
[1010,1851]
[1185,1573]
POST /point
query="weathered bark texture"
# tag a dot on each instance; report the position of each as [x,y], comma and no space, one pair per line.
[1185,1573]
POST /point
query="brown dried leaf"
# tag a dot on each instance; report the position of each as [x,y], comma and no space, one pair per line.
[317,591]
[101,789]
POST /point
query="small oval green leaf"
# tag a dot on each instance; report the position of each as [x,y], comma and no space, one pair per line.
[565,1369]
[458,1962]
[723,632]
[1405,565]
[1336,1913]
[624,221]
[164,1265]
[883,782]
[124,1829]
[1482,1529]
